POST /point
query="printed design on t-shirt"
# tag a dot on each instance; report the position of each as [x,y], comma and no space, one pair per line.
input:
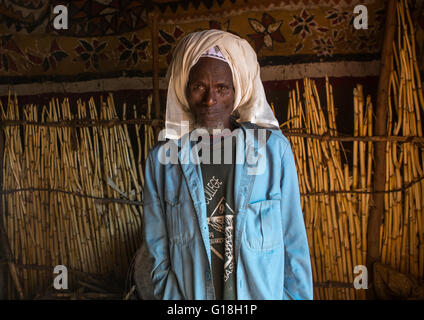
[211,188]
[221,221]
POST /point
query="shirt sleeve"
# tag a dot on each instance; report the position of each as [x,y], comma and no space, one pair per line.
[298,283]
[165,285]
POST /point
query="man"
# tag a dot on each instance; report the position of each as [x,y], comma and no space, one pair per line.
[221,207]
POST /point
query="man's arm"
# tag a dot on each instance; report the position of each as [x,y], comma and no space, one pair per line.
[165,285]
[298,284]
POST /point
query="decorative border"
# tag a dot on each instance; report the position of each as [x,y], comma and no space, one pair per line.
[268,73]
[172,14]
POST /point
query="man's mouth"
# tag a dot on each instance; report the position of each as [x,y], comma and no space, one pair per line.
[208,113]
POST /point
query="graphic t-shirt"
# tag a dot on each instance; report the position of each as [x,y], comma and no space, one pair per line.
[218,184]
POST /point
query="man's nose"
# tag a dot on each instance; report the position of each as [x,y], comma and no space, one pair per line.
[210,97]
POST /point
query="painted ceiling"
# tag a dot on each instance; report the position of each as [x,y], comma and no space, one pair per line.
[109,38]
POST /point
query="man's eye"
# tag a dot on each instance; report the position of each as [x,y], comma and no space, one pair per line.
[198,87]
[222,88]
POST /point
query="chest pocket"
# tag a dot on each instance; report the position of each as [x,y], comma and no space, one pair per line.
[179,221]
[263,229]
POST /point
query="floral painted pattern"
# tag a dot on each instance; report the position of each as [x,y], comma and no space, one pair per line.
[8,50]
[324,47]
[302,26]
[340,37]
[51,59]
[267,31]
[367,40]
[304,23]
[91,53]
[167,42]
[132,51]
[225,26]
[337,16]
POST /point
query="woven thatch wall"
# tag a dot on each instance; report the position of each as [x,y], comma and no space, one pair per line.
[112,52]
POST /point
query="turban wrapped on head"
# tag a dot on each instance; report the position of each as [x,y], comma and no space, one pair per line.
[250,102]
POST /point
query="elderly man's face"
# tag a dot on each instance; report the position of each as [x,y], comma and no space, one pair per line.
[210,93]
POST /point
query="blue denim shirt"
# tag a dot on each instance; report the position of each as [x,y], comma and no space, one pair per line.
[270,247]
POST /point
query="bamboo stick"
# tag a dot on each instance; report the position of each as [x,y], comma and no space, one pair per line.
[374,220]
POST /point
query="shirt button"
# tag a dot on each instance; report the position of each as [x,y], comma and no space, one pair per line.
[208,275]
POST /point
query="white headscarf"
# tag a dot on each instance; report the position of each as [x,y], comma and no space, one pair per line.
[249,100]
